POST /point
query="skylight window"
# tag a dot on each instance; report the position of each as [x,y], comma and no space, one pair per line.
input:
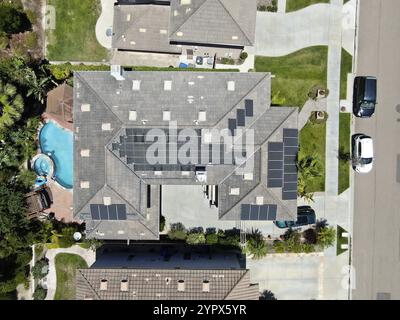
[136,85]
[85,107]
[167,85]
[166,115]
[231,85]
[132,115]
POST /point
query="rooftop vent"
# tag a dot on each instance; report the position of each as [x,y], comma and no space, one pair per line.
[176,13]
[202,116]
[88,297]
[85,184]
[179,34]
[116,72]
[136,85]
[234,191]
[142,30]
[185,2]
[128,17]
[124,285]
[121,232]
[167,85]
[181,285]
[206,286]
[106,127]
[167,281]
[167,115]
[85,107]
[259,201]
[85,153]
[248,176]
[132,115]
[107,201]
[231,85]
[103,284]
[235,37]
[158,173]
[163,31]
[132,43]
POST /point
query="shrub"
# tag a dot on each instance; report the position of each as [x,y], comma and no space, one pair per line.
[177,232]
[39,294]
[26,178]
[257,247]
[31,40]
[13,20]
[61,71]
[310,236]
[227,61]
[211,238]
[66,240]
[3,40]
[195,238]
[40,269]
[267,295]
[162,223]
[244,55]
[326,237]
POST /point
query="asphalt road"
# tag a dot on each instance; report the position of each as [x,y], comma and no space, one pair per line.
[376,225]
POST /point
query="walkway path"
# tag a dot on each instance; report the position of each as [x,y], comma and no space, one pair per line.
[333,100]
[105,22]
[88,255]
[282,6]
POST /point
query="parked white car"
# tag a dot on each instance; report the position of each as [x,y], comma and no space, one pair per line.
[363,153]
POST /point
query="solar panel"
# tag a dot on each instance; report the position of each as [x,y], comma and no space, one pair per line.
[290,142]
[263,215]
[240,115]
[290,159]
[290,133]
[112,212]
[274,183]
[275,146]
[232,126]
[275,174]
[290,151]
[121,211]
[289,186]
[272,210]
[248,104]
[276,156]
[291,195]
[275,165]
[103,212]
[291,168]
[254,212]
[290,178]
[94,211]
[245,212]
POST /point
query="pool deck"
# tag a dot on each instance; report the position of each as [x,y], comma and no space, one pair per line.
[62,203]
[62,198]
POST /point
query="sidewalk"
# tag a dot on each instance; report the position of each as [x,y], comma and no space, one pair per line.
[88,255]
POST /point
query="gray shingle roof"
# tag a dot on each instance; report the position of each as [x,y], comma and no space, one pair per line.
[162,284]
[142,28]
[112,174]
[230,22]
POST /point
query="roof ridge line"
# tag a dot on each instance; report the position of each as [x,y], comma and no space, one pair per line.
[237,282]
[241,99]
[89,284]
[137,211]
[187,19]
[234,20]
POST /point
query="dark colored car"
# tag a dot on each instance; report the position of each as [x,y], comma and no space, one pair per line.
[305,216]
[364,96]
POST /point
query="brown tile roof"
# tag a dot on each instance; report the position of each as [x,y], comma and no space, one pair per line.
[60,102]
[162,284]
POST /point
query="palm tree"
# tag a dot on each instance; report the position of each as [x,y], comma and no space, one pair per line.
[11,105]
[308,167]
[39,84]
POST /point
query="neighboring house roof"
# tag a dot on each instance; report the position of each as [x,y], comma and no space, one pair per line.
[229,22]
[60,102]
[142,28]
[118,116]
[164,284]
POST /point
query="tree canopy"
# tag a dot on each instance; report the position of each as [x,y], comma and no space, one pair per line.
[13,20]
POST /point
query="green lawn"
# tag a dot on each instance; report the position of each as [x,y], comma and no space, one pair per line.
[295,74]
[344,144]
[345,68]
[312,142]
[74,37]
[294,5]
[66,265]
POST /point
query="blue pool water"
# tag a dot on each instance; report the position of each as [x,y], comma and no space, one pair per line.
[58,144]
[42,165]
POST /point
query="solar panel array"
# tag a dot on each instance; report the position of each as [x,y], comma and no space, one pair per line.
[241,114]
[291,146]
[265,212]
[111,212]
[282,169]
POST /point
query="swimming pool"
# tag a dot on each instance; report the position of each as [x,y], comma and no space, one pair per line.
[57,143]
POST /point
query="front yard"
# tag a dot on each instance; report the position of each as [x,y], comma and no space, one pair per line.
[294,5]
[74,37]
[66,265]
[344,149]
[312,143]
[295,74]
[345,68]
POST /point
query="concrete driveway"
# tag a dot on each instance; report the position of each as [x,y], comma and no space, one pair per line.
[279,34]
